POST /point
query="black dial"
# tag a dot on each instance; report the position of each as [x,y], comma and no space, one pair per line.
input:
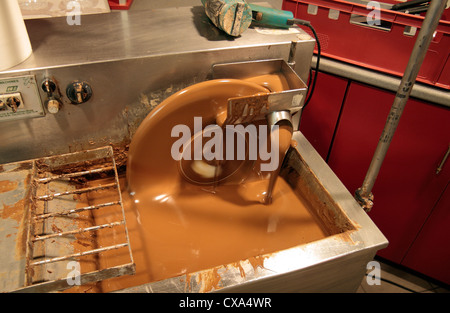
[78,92]
[48,86]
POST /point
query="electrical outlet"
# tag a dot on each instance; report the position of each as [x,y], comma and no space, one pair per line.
[19,98]
[11,101]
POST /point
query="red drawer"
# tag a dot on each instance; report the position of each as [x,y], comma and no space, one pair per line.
[382,50]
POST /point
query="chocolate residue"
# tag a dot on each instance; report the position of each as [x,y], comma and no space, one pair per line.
[14,211]
[6,185]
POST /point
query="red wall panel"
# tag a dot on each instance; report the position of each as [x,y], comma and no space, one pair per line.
[430,252]
[320,116]
[407,186]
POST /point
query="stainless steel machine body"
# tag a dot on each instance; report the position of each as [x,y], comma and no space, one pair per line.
[132,61]
[96,82]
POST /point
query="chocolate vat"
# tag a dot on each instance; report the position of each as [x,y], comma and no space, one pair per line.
[142,62]
[331,254]
[336,263]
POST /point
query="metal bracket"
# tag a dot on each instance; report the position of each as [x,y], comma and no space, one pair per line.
[256,107]
[366,202]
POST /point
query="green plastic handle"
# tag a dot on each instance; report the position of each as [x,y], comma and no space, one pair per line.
[270,17]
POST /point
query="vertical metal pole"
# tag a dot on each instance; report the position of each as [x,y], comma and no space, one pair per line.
[364,194]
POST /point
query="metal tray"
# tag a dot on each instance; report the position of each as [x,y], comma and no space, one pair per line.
[55,229]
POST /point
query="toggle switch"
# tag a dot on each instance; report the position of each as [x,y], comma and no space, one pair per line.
[48,86]
[53,97]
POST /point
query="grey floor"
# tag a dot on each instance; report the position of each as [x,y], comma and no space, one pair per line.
[394,279]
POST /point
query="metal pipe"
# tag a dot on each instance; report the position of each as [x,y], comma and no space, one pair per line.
[72,175]
[78,231]
[76,191]
[78,254]
[87,208]
[275,118]
[364,194]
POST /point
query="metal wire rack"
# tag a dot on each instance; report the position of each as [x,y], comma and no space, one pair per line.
[65,224]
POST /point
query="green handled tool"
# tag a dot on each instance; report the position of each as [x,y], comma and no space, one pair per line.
[231,16]
[263,16]
[235,16]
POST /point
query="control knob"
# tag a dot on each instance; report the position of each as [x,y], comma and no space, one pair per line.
[53,97]
[53,106]
[78,92]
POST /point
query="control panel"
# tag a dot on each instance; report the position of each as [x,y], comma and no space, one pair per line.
[19,98]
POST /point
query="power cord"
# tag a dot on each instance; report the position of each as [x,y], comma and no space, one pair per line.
[312,81]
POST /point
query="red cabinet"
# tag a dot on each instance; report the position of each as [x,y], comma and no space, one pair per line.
[430,252]
[407,187]
[320,116]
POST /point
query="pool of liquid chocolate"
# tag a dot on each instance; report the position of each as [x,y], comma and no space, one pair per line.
[176,227]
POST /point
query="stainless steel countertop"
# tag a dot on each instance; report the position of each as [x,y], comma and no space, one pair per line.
[128,34]
[146,4]
[143,31]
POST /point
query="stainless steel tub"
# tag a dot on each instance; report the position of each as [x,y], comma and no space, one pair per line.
[337,263]
[141,61]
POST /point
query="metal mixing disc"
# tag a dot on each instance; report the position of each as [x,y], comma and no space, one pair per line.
[220,158]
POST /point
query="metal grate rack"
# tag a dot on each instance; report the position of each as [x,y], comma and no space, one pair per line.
[62,231]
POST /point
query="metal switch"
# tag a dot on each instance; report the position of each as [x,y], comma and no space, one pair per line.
[53,97]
